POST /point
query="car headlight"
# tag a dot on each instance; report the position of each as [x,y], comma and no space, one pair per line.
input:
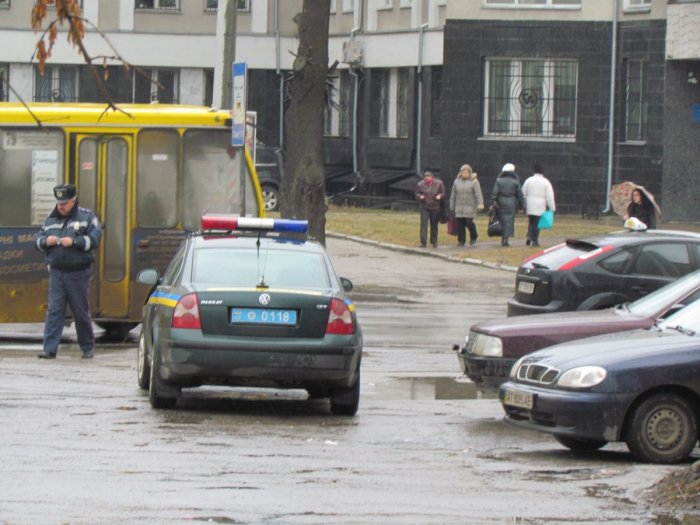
[582,377]
[487,345]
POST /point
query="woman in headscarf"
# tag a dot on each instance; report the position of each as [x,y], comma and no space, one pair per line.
[507,196]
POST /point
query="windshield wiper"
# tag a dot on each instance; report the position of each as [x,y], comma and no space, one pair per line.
[685,331]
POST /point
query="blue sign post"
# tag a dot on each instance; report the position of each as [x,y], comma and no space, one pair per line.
[238,104]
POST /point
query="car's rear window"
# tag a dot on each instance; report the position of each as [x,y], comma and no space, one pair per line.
[247,267]
[555,258]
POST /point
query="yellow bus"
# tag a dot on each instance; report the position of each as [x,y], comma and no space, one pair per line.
[148,171]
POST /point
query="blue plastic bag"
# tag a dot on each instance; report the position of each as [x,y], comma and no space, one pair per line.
[546,220]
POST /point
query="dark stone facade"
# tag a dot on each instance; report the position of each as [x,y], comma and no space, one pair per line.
[577,168]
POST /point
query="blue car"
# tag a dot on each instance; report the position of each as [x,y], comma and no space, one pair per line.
[641,387]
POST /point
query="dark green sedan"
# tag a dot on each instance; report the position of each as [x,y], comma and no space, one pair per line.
[250,302]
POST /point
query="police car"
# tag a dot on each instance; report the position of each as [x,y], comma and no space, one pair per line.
[250,302]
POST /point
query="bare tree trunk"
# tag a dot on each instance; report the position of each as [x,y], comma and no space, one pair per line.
[303,186]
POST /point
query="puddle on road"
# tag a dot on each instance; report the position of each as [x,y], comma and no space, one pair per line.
[423,388]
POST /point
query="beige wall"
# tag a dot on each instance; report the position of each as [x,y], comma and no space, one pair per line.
[591,10]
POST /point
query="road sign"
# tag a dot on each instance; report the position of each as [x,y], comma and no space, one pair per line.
[238,104]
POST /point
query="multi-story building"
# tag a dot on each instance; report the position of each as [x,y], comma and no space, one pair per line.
[583,87]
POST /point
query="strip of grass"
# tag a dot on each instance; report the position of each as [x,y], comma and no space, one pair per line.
[401,228]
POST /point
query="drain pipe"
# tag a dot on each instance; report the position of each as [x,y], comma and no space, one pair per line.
[279,73]
[356,87]
[419,123]
[611,113]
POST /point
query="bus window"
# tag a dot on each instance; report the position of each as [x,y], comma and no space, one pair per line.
[31,164]
[115,211]
[210,177]
[156,182]
[87,174]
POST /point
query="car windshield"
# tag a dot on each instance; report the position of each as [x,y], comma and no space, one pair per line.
[655,301]
[247,267]
[686,319]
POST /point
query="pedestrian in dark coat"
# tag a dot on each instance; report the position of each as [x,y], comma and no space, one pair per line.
[430,192]
[507,196]
[642,208]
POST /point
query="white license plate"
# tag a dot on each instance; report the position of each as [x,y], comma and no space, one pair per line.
[519,399]
[525,287]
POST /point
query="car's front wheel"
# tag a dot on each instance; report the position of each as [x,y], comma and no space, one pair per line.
[345,402]
[143,367]
[662,429]
[580,444]
[155,395]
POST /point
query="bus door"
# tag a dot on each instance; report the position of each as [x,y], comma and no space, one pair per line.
[103,167]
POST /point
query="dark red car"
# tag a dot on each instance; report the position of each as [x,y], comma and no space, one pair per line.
[492,347]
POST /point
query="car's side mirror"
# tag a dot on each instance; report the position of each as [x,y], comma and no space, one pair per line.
[148,276]
[347,284]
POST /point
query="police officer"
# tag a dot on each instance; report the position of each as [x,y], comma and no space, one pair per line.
[69,238]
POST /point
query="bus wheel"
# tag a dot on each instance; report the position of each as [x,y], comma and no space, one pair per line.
[116,329]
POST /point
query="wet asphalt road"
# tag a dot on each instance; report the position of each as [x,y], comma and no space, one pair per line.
[79,442]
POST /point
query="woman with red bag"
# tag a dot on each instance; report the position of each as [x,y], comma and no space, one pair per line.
[466,200]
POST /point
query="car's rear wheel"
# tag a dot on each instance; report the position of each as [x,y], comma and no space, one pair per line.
[580,444]
[155,396]
[143,367]
[271,197]
[662,429]
[345,402]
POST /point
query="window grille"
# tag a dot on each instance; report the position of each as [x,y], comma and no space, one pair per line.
[530,98]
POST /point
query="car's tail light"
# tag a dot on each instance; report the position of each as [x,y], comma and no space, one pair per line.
[585,257]
[340,319]
[186,313]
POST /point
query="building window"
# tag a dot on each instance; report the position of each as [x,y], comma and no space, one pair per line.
[338,115]
[404,4]
[384,4]
[635,110]
[349,6]
[161,88]
[435,113]
[4,3]
[530,98]
[212,5]
[533,3]
[57,84]
[4,82]
[637,5]
[389,102]
[157,4]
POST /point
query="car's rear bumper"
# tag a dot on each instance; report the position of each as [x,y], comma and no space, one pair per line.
[586,415]
[269,363]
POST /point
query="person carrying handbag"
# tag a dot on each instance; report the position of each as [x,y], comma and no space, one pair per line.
[466,200]
[508,195]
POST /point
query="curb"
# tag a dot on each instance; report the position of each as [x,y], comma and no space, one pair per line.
[424,252]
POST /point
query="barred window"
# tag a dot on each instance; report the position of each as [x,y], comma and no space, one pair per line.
[530,98]
[389,102]
[4,81]
[635,110]
[160,88]
[157,4]
[57,84]
[212,5]
[337,118]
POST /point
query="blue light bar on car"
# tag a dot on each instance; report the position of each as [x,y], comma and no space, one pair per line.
[231,222]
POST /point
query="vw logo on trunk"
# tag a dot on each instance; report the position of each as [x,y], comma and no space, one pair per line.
[264,298]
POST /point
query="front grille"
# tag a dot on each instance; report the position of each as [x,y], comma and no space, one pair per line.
[536,373]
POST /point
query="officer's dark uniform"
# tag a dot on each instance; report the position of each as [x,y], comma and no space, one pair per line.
[70,269]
